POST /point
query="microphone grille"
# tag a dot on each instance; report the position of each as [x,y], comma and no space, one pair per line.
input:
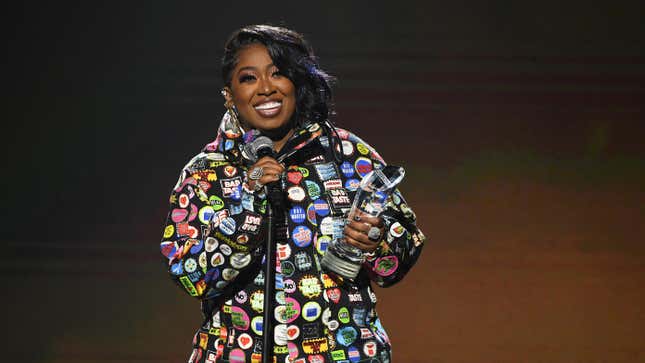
[256,145]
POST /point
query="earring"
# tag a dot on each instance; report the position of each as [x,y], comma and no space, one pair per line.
[232,125]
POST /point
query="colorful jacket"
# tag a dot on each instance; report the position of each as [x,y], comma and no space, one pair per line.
[213,241]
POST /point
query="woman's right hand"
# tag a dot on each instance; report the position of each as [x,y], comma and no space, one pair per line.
[270,171]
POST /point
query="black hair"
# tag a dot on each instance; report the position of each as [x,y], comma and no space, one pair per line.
[295,59]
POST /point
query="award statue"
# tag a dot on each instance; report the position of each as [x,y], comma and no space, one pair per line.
[342,258]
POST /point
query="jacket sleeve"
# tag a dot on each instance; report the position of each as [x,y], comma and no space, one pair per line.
[214,230]
[401,245]
[402,241]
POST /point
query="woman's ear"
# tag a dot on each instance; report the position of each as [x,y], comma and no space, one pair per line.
[228,95]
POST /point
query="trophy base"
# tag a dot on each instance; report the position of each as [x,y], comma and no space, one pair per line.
[339,266]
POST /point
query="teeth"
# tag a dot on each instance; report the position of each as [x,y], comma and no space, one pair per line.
[267,105]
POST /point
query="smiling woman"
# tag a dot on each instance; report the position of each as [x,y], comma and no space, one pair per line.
[218,227]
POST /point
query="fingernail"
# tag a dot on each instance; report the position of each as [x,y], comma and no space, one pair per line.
[357,218]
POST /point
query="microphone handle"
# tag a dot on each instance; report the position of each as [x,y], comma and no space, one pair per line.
[274,189]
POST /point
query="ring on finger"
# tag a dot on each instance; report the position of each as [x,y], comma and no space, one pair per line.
[258,186]
[374,234]
[256,173]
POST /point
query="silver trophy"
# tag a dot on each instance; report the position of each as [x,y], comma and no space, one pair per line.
[342,258]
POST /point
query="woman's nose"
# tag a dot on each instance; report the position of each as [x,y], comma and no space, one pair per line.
[266,86]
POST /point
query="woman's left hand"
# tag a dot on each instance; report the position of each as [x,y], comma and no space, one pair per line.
[357,230]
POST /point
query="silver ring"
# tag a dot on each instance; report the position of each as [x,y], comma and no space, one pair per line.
[374,234]
[256,173]
[258,186]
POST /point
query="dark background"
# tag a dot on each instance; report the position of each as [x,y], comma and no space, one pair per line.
[520,124]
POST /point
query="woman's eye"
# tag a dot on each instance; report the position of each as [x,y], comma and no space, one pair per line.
[277,74]
[246,78]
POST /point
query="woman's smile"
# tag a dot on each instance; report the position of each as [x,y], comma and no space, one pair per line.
[269,108]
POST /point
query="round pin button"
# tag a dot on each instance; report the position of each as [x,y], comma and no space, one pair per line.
[236,356]
[293,331]
[347,169]
[352,184]
[326,315]
[396,230]
[216,202]
[348,148]
[245,341]
[178,214]
[239,318]
[346,336]
[190,265]
[297,214]
[168,231]
[289,286]
[296,193]
[369,349]
[256,325]
[203,260]
[292,310]
[362,149]
[343,315]
[322,243]
[280,297]
[184,200]
[301,236]
[241,297]
[288,268]
[226,249]
[311,214]
[313,189]
[229,274]
[257,301]
[363,166]
[217,259]
[321,206]
[327,226]
[280,334]
[227,226]
[385,266]
[206,214]
[240,260]
[311,311]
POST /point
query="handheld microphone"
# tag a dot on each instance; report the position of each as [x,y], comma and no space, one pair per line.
[259,148]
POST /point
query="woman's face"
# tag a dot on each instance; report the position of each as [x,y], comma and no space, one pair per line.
[264,98]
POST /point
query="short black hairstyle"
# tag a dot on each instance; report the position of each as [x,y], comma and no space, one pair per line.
[295,59]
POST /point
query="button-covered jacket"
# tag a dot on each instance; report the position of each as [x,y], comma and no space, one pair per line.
[214,239]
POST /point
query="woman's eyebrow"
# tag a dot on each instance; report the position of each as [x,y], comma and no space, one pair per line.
[252,68]
[246,68]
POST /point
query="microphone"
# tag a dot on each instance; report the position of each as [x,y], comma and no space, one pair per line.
[259,148]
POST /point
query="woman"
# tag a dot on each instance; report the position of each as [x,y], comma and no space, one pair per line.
[216,229]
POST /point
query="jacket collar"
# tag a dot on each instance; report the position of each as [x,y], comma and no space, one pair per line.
[231,140]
